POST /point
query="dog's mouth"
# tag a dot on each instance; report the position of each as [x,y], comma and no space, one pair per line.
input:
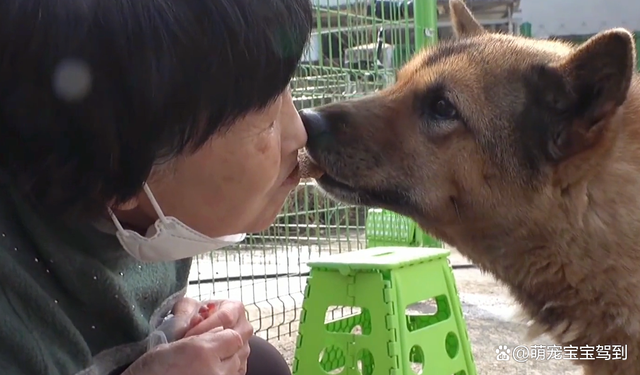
[345,190]
[328,181]
[391,198]
[339,190]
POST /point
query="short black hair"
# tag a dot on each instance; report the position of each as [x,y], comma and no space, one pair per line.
[93,93]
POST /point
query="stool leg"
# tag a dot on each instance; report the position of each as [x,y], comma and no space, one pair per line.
[322,347]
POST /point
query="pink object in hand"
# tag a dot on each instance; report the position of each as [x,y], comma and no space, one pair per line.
[207,310]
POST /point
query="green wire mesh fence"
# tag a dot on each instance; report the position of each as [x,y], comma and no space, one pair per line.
[353,50]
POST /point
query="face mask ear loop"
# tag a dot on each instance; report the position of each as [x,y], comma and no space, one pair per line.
[154,203]
[115,220]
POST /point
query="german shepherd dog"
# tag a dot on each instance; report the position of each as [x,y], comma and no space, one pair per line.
[524,155]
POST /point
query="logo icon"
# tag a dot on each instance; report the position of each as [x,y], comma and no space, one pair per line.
[502,353]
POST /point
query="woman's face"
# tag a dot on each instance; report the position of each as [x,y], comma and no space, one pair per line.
[236,183]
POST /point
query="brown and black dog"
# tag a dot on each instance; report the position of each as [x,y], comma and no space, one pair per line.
[523,154]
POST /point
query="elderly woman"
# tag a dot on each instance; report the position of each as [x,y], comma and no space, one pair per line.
[136,134]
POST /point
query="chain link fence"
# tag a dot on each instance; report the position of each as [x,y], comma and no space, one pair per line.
[356,48]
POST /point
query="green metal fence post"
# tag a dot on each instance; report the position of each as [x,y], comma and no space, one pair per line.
[525,29]
[426,23]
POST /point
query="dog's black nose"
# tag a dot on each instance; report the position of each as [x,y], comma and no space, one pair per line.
[314,123]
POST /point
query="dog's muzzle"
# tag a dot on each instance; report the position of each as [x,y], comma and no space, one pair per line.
[314,123]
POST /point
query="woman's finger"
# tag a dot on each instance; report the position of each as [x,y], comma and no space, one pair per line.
[230,366]
[186,307]
[245,329]
[243,354]
[202,327]
[226,315]
[225,343]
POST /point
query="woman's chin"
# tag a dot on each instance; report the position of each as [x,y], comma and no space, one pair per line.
[266,219]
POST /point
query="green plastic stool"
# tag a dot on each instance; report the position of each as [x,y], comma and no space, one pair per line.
[422,239]
[385,228]
[382,282]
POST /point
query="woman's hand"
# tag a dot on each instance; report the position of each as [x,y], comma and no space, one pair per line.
[225,314]
[217,345]
[217,352]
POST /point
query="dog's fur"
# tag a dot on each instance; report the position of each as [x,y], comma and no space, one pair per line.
[524,154]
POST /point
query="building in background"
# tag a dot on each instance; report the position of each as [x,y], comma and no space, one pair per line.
[578,19]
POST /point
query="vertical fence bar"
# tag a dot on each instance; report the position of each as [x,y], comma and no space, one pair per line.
[426,23]
[525,29]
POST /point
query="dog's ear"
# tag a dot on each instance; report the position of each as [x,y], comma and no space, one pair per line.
[464,23]
[584,90]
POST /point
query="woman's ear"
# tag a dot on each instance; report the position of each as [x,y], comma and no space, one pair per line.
[126,206]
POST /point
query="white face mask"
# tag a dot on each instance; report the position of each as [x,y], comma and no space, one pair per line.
[168,239]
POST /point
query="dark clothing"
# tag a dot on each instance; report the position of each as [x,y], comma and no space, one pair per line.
[72,301]
[265,359]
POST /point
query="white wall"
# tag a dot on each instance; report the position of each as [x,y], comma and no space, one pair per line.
[564,17]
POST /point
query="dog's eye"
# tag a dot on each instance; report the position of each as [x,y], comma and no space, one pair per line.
[443,109]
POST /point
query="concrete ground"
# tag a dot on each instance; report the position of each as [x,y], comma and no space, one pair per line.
[273,307]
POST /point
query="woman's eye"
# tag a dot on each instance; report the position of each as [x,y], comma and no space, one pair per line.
[442,109]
